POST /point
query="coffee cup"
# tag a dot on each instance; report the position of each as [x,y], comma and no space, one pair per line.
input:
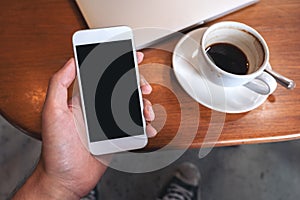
[233,54]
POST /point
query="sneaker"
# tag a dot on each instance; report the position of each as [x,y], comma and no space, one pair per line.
[184,185]
[92,195]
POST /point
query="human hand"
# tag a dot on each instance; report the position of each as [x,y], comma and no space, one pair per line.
[66,169]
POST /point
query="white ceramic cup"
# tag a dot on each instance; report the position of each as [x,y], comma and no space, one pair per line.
[253,46]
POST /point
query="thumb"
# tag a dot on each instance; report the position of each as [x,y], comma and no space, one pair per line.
[57,94]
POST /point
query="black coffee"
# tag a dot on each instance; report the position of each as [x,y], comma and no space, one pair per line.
[229,58]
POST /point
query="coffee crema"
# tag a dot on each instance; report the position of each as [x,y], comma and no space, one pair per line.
[228,58]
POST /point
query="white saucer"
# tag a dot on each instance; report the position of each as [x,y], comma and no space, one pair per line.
[223,99]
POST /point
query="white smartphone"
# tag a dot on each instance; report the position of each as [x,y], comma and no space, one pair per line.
[109,87]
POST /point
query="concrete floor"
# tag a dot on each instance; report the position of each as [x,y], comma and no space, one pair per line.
[18,154]
[264,171]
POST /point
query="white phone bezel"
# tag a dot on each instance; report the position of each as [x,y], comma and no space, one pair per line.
[111,34]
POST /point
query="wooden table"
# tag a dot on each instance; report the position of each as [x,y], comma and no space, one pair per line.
[35,40]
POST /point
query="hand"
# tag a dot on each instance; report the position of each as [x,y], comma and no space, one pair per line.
[66,169]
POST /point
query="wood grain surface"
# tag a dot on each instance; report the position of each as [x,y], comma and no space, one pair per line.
[35,41]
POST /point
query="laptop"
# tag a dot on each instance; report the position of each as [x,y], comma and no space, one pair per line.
[153,20]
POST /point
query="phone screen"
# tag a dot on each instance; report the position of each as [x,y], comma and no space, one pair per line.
[110,90]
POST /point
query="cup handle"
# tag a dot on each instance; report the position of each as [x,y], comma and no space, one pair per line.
[264,84]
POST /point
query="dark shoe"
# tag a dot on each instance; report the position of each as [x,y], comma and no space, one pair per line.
[184,185]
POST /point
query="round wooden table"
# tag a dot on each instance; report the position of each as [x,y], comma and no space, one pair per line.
[36,41]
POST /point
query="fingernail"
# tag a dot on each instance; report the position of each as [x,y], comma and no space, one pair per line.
[140,55]
[140,58]
[147,89]
[151,132]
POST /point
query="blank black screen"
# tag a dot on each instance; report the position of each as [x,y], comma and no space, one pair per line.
[109,87]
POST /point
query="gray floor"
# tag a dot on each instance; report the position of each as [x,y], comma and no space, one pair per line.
[265,171]
[18,153]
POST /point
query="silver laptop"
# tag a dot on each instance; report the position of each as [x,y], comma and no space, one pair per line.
[152,20]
